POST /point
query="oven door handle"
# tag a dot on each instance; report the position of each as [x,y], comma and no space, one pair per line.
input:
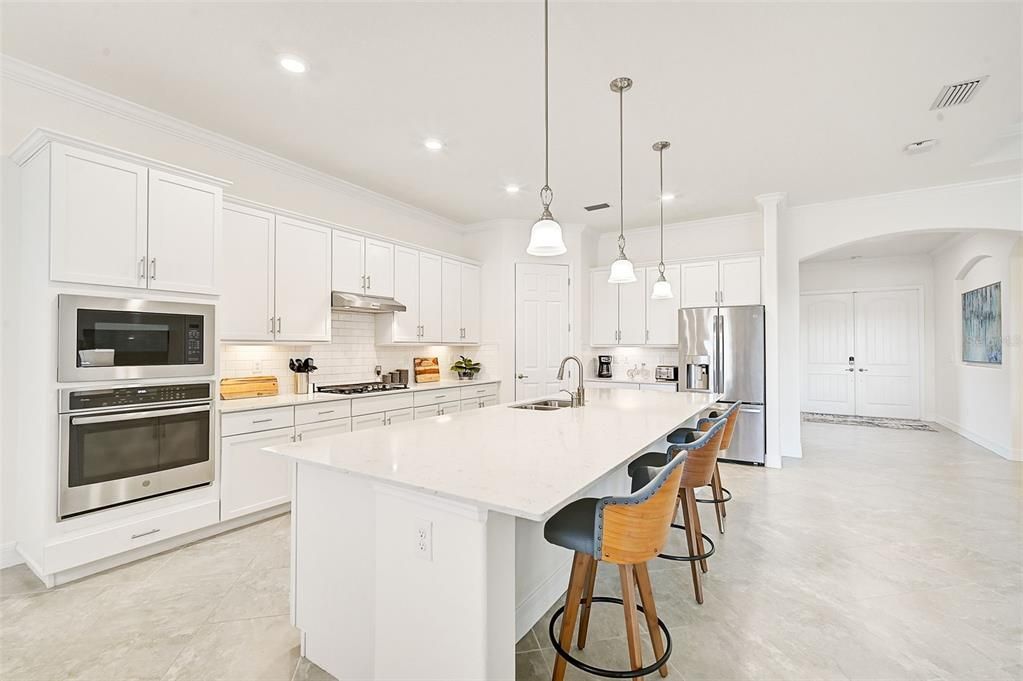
[133,416]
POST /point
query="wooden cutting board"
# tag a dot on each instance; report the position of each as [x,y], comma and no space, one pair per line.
[427,369]
[250,386]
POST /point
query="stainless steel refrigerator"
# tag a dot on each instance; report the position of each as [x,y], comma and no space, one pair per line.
[721,350]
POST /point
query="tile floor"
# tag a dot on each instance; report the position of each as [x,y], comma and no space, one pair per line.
[881,555]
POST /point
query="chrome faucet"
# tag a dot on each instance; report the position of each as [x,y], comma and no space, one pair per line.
[579,396]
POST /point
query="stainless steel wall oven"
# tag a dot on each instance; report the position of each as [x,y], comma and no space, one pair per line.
[125,443]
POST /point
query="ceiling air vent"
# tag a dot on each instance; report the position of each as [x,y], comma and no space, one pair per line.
[597,206]
[957,93]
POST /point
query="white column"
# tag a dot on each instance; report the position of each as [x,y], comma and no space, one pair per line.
[782,382]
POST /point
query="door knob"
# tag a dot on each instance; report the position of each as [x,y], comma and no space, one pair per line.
[864,370]
[850,369]
[522,376]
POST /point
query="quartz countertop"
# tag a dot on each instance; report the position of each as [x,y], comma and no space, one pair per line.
[515,461]
[249,403]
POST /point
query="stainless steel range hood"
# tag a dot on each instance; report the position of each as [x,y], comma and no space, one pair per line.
[356,302]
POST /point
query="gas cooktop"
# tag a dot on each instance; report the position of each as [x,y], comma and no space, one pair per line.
[353,388]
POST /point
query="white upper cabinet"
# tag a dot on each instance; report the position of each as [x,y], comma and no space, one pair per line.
[430,294]
[451,301]
[603,309]
[403,327]
[700,284]
[739,281]
[302,266]
[662,315]
[184,234]
[362,265]
[347,261]
[119,222]
[379,268]
[98,218]
[246,311]
[632,311]
[471,306]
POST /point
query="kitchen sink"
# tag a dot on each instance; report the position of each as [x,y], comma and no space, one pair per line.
[544,405]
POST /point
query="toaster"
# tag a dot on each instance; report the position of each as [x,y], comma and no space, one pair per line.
[666,373]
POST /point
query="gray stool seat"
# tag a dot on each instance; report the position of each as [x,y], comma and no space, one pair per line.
[573,526]
[649,460]
[684,436]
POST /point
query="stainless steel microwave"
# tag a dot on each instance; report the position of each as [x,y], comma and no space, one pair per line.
[111,339]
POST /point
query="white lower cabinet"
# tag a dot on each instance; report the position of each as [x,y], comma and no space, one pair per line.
[251,480]
[472,403]
[323,429]
[660,387]
[399,416]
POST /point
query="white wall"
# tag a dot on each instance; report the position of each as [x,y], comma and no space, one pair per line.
[867,274]
[978,400]
[499,245]
[9,197]
[693,239]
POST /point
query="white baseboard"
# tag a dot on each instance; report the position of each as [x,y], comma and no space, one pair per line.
[536,604]
[1001,450]
[9,555]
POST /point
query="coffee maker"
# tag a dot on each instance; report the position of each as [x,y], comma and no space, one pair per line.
[603,366]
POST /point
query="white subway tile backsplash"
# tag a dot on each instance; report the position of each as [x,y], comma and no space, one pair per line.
[348,358]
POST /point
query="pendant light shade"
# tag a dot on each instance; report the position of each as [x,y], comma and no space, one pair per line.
[662,287]
[622,271]
[545,238]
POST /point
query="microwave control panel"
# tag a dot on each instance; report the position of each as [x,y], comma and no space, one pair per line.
[193,339]
[103,398]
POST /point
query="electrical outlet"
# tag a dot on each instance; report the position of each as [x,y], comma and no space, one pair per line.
[424,540]
[257,367]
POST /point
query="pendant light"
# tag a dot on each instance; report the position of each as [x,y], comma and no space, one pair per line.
[622,271]
[662,287]
[545,238]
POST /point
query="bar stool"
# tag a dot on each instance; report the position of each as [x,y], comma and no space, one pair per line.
[697,471]
[626,531]
[719,494]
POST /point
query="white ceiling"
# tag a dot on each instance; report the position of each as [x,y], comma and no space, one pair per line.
[813,99]
[889,246]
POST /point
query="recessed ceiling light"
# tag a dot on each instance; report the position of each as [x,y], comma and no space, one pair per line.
[433,144]
[512,188]
[290,62]
[667,196]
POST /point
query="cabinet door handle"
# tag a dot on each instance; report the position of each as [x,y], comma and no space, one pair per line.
[480,404]
[440,411]
[142,267]
[261,421]
[271,325]
[278,325]
[648,335]
[363,280]
[146,534]
[299,436]
[152,269]
[369,282]
[321,413]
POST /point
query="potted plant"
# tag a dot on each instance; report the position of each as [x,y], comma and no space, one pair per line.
[466,368]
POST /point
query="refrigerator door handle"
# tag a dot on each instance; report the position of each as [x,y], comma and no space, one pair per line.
[719,324]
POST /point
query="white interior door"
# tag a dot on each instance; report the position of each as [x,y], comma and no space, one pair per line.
[541,328]
[827,340]
[888,354]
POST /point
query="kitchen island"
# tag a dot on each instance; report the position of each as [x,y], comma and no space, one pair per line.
[418,551]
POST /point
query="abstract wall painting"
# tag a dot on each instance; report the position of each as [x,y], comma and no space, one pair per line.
[982,325]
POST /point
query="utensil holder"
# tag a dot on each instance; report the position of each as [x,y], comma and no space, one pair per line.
[301,384]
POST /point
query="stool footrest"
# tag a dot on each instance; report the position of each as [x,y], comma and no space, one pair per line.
[724,500]
[690,559]
[610,673]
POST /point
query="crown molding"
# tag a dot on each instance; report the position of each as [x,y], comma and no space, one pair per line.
[686,224]
[86,95]
[887,196]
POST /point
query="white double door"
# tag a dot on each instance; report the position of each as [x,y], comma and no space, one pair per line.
[860,353]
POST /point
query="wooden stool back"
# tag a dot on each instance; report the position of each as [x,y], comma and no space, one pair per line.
[699,462]
[636,533]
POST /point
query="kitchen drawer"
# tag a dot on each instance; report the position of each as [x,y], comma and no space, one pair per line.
[323,429]
[372,405]
[322,411]
[478,391]
[421,399]
[368,421]
[236,423]
[101,543]
[661,387]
